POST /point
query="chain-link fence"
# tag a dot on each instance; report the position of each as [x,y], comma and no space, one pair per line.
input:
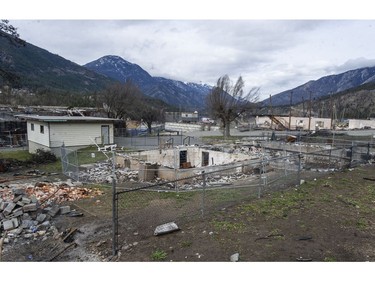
[69,162]
[152,195]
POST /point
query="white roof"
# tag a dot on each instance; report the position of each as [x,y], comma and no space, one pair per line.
[73,119]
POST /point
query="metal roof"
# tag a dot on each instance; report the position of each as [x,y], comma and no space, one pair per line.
[75,119]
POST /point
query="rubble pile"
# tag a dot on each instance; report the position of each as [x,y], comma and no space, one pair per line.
[26,211]
[102,173]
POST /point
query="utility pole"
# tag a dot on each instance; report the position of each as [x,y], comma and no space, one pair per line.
[310,112]
[331,105]
[271,111]
[290,111]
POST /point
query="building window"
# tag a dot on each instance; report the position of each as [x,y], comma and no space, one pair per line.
[32,126]
[41,129]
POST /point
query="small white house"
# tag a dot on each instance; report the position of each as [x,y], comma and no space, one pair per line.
[74,132]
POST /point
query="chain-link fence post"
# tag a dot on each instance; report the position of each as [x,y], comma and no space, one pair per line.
[262,179]
[114,209]
[203,193]
[299,170]
[351,156]
[368,152]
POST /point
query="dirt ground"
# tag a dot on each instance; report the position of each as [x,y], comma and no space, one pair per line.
[330,218]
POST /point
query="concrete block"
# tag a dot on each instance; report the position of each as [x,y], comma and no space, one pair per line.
[41,217]
[16,222]
[18,191]
[54,210]
[3,205]
[30,207]
[17,198]
[9,208]
[20,203]
[17,231]
[26,216]
[27,223]
[17,212]
[26,200]
[8,225]
[166,228]
[64,210]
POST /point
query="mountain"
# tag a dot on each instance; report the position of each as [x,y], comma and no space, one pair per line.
[190,96]
[36,68]
[324,86]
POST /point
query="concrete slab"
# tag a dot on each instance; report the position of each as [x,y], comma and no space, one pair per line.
[166,228]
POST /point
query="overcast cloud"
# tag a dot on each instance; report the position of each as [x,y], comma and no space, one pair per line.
[275,55]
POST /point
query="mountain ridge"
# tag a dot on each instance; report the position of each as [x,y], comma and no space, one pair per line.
[177,93]
[324,86]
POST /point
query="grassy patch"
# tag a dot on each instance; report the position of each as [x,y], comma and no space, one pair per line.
[158,255]
[84,155]
[142,198]
[362,224]
[280,204]
[20,155]
[186,244]
[228,226]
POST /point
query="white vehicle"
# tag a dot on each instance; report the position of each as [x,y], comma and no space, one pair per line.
[207,120]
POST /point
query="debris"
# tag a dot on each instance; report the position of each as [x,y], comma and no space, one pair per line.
[269,236]
[75,214]
[303,238]
[30,207]
[303,259]
[64,210]
[369,179]
[235,257]
[54,210]
[63,250]
[166,228]
[69,234]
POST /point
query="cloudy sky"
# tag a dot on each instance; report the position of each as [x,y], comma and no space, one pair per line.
[273,54]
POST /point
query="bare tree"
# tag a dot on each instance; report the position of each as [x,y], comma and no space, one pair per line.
[119,100]
[227,102]
[150,114]
[9,31]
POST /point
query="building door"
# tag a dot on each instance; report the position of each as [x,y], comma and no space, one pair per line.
[205,158]
[183,157]
[105,134]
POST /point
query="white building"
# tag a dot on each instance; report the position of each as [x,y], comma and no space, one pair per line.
[74,132]
[361,124]
[296,123]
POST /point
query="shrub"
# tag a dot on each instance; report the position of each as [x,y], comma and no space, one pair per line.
[42,156]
